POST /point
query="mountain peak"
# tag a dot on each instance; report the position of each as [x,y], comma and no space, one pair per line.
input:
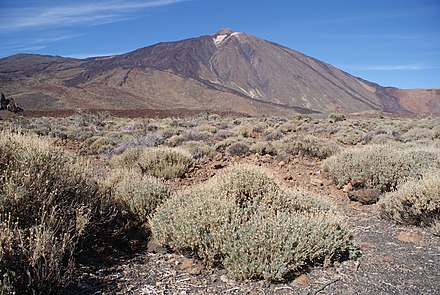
[222,35]
[224,31]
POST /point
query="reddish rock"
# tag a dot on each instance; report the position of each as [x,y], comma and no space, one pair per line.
[365,196]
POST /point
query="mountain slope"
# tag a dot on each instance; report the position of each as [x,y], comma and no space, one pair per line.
[227,71]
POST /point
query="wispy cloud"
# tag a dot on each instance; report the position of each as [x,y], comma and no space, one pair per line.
[87,55]
[83,13]
[32,44]
[400,67]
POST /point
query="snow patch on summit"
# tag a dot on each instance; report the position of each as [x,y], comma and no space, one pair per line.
[218,39]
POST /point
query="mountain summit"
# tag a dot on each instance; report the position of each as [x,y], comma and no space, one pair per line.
[227,71]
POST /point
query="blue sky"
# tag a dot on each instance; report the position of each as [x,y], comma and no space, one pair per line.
[390,42]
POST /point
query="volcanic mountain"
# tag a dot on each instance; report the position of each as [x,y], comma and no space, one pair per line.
[227,71]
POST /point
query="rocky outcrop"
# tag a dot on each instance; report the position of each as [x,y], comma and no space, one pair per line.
[9,105]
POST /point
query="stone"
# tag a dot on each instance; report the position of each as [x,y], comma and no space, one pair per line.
[281,164]
[347,188]
[191,266]
[218,165]
[316,181]
[302,281]
[409,237]
[364,196]
[154,247]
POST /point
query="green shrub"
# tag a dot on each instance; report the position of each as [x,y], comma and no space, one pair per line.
[141,194]
[415,202]
[245,221]
[380,166]
[47,202]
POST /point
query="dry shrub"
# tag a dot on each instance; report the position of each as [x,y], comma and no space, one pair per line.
[47,201]
[380,166]
[435,227]
[141,194]
[415,202]
[238,149]
[160,162]
[245,221]
[310,145]
[263,148]
[198,149]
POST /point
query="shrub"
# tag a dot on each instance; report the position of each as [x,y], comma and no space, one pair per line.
[198,149]
[415,202]
[237,149]
[246,222]
[129,158]
[47,202]
[380,166]
[310,145]
[435,227]
[263,148]
[141,194]
[101,145]
[164,163]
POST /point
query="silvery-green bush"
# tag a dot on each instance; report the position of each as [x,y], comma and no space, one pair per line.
[380,166]
[244,220]
[415,202]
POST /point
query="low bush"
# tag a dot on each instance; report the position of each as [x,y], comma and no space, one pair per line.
[310,145]
[198,149]
[263,148]
[245,221]
[47,204]
[141,194]
[159,162]
[415,202]
[238,149]
[380,166]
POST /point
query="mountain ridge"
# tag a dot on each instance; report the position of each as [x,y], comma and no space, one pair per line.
[231,71]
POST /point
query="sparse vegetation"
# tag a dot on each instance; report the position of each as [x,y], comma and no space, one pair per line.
[415,202]
[380,166]
[47,201]
[245,221]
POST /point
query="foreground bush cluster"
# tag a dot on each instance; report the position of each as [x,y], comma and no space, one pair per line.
[247,222]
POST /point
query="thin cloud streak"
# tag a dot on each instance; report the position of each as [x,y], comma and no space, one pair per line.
[84,14]
[87,55]
[404,67]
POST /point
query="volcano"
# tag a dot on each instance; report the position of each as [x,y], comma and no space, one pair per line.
[227,71]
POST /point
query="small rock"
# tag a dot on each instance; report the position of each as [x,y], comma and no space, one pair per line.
[365,196]
[154,247]
[409,237]
[347,188]
[302,281]
[192,266]
[281,163]
[316,181]
[218,165]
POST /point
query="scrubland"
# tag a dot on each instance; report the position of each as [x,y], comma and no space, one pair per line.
[84,184]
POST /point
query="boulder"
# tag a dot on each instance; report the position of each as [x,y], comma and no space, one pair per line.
[365,196]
